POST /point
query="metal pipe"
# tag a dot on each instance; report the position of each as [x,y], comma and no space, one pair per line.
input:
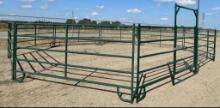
[77,52]
[66,49]
[35,34]
[75,79]
[14,63]
[215,45]
[9,41]
[138,36]
[207,48]
[132,62]
[77,66]
[175,41]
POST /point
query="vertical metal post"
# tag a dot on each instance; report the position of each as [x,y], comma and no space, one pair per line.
[138,37]
[195,61]
[55,33]
[184,37]
[175,43]
[100,30]
[14,62]
[120,33]
[160,37]
[207,54]
[53,42]
[78,32]
[132,63]
[66,49]
[9,40]
[35,34]
[214,56]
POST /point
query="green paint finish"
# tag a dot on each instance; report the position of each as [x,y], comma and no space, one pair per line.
[14,59]
[137,82]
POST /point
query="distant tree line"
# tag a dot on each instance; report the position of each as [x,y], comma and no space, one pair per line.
[3,26]
[86,21]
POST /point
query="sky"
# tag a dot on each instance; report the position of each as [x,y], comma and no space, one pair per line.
[159,12]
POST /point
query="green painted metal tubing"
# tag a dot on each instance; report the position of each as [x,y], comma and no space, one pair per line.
[196,49]
[165,52]
[211,42]
[158,40]
[215,45]
[24,28]
[163,27]
[75,25]
[189,43]
[132,63]
[163,78]
[55,33]
[202,37]
[31,46]
[35,34]
[153,35]
[9,41]
[166,77]
[149,35]
[22,40]
[14,59]
[203,34]
[207,49]
[66,49]
[98,54]
[77,52]
[113,33]
[187,8]
[81,38]
[78,33]
[203,40]
[75,79]
[175,41]
[155,81]
[29,35]
[138,61]
[77,66]
[120,95]
[146,70]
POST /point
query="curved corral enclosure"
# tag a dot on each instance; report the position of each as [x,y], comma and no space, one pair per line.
[128,59]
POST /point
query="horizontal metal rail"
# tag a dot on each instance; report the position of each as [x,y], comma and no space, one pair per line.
[75,79]
[165,52]
[162,40]
[187,8]
[75,25]
[82,38]
[76,66]
[146,70]
[76,52]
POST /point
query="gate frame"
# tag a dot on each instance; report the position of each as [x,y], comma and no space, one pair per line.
[196,38]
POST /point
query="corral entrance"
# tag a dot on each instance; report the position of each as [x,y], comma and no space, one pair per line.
[191,43]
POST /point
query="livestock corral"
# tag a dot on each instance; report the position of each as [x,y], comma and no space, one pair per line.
[128,60]
[125,57]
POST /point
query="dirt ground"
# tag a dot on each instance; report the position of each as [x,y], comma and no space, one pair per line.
[199,90]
